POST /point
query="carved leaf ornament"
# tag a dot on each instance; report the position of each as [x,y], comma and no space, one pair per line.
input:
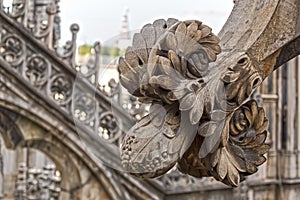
[198,116]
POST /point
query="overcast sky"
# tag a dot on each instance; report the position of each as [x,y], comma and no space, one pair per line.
[100,20]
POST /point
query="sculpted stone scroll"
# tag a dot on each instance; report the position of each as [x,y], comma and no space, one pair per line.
[200,118]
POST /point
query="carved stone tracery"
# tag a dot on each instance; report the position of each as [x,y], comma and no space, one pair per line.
[12,49]
[37,70]
[60,89]
[51,80]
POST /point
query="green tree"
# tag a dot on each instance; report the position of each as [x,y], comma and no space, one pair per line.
[84,49]
[114,52]
[105,50]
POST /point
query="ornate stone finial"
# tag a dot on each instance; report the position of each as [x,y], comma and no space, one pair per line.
[74,28]
[97,47]
[198,116]
[69,49]
[51,8]
[96,67]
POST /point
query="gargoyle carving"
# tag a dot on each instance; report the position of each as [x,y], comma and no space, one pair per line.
[198,115]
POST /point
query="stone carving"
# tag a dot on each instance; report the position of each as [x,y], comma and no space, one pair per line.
[38,18]
[238,152]
[18,10]
[137,109]
[36,183]
[12,49]
[227,78]
[130,103]
[69,48]
[84,107]
[91,68]
[69,92]
[110,127]
[198,116]
[60,89]
[38,70]
[113,90]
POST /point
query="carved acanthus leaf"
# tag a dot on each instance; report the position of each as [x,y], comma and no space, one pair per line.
[244,150]
[237,153]
[195,115]
[167,50]
[166,66]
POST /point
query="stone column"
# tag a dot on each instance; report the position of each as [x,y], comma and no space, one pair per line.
[291,130]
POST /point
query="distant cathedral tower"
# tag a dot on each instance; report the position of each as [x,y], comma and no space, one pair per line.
[124,35]
[124,39]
